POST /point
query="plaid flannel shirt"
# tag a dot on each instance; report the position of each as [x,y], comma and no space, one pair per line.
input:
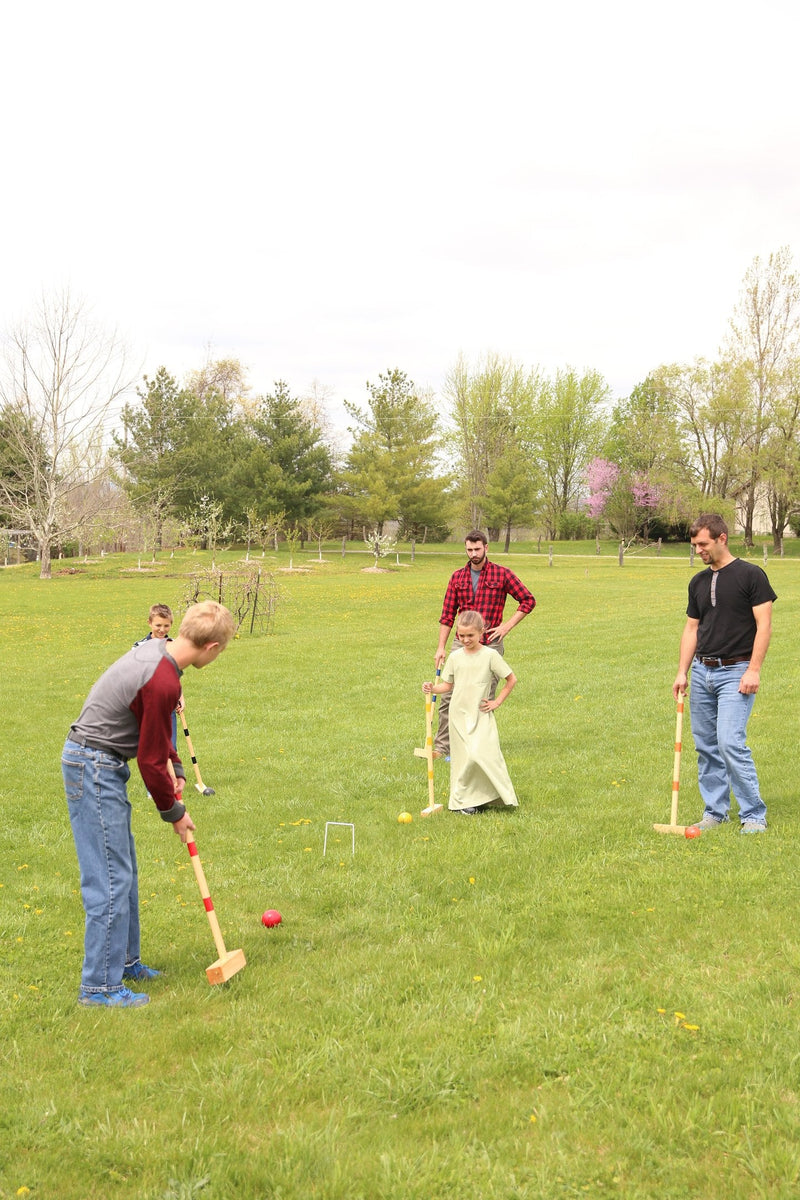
[494,584]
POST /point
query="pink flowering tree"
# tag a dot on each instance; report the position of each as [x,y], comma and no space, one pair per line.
[601,478]
[646,493]
[627,501]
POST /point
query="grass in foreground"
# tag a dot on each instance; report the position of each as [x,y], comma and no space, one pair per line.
[551,1003]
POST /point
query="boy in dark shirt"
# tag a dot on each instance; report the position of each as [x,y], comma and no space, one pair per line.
[160,620]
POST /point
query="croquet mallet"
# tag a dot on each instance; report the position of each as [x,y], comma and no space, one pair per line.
[201,787]
[229,961]
[427,753]
[673,826]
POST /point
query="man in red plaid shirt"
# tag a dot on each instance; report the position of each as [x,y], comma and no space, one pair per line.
[481,586]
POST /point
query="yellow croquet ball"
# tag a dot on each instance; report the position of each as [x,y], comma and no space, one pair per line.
[405,818]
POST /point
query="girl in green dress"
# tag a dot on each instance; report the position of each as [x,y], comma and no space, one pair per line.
[479,777]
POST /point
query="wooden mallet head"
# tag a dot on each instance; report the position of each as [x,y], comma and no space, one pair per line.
[224,968]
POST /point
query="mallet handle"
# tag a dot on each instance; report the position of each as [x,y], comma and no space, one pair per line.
[191,751]
[191,846]
[676,768]
[429,745]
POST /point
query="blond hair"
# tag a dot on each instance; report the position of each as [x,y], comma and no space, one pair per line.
[472,619]
[207,622]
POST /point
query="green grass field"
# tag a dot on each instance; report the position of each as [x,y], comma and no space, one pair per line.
[556,1002]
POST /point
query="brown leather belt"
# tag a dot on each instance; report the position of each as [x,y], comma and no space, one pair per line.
[722,662]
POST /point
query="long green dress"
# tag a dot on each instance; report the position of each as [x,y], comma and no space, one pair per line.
[478,773]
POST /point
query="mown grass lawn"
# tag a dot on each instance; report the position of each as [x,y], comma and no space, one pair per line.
[555,1002]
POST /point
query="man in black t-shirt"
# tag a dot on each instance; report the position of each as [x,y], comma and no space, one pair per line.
[724,642]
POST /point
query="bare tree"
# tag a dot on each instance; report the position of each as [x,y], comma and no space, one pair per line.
[765,337]
[60,377]
[319,530]
[314,406]
[269,531]
[224,377]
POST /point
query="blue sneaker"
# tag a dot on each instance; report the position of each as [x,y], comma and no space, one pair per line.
[709,822]
[123,998]
[138,970]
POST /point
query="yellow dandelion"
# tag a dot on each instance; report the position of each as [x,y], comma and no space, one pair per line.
[477,978]
[533,1118]
[693,1028]
[679,1016]
[306,849]
[23,1191]
[472,878]
[661,1010]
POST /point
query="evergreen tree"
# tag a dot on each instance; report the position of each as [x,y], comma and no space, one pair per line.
[391,471]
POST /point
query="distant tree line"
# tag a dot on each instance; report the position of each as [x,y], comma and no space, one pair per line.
[205,461]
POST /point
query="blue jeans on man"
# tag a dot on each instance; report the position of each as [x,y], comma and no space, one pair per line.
[100,815]
[719,715]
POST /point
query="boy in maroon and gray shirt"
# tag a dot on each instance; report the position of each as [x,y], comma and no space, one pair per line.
[128,714]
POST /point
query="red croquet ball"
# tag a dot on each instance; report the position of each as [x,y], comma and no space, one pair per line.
[692,831]
[271,917]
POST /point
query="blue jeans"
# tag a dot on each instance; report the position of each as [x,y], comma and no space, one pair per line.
[100,815]
[719,714]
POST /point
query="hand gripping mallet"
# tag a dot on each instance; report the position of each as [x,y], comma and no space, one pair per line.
[229,961]
[201,787]
[673,826]
[427,752]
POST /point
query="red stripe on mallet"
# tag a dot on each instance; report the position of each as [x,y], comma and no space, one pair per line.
[229,961]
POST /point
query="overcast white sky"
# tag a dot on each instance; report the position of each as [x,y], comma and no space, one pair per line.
[329,190]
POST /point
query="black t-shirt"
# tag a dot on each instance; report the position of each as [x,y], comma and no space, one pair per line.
[723,602]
